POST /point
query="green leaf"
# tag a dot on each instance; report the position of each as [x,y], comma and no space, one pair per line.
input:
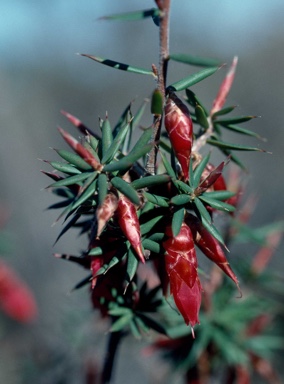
[193,100]
[147,227]
[217,204]
[236,128]
[118,65]
[206,220]
[63,167]
[152,323]
[183,186]
[235,120]
[168,166]
[118,140]
[76,179]
[74,159]
[220,195]
[121,322]
[192,79]
[132,265]
[107,137]
[151,245]
[86,194]
[143,140]
[235,147]
[150,181]
[127,162]
[155,199]
[157,237]
[157,103]
[119,311]
[201,117]
[133,16]
[194,60]
[125,188]
[199,170]
[181,199]
[177,221]
[138,115]
[102,187]
[223,111]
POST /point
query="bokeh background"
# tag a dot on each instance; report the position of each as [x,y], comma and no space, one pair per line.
[40,74]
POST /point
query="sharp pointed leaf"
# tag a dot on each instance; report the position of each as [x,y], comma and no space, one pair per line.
[177,221]
[194,60]
[192,79]
[118,65]
[118,140]
[125,188]
[231,146]
[150,181]
[133,16]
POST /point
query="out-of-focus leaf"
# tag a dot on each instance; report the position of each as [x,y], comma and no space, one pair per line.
[223,111]
[133,16]
[152,324]
[192,79]
[194,60]
[126,189]
[235,120]
[235,147]
[121,322]
[121,66]
[119,311]
[177,221]
[237,129]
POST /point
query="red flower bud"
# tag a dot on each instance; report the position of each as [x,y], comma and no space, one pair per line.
[210,246]
[181,266]
[16,300]
[179,126]
[129,224]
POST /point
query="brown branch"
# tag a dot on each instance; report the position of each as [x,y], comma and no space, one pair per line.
[164,6]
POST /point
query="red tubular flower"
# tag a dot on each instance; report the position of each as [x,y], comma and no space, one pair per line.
[16,300]
[129,224]
[181,266]
[210,246]
[179,126]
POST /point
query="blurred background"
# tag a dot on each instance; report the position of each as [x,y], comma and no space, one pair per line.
[40,74]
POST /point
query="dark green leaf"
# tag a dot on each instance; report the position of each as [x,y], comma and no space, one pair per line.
[119,311]
[168,166]
[121,66]
[152,324]
[126,189]
[151,245]
[219,195]
[76,179]
[236,128]
[107,138]
[147,227]
[143,140]
[67,226]
[127,162]
[155,199]
[177,221]
[217,204]
[118,140]
[63,167]
[150,181]
[74,159]
[235,147]
[133,16]
[194,60]
[235,120]
[89,191]
[199,170]
[102,187]
[132,265]
[201,116]
[192,79]
[181,199]
[223,111]
[157,103]
[193,100]
[183,186]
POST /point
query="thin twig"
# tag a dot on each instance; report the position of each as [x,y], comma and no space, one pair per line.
[164,6]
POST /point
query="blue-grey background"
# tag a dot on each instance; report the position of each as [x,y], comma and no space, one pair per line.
[40,74]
